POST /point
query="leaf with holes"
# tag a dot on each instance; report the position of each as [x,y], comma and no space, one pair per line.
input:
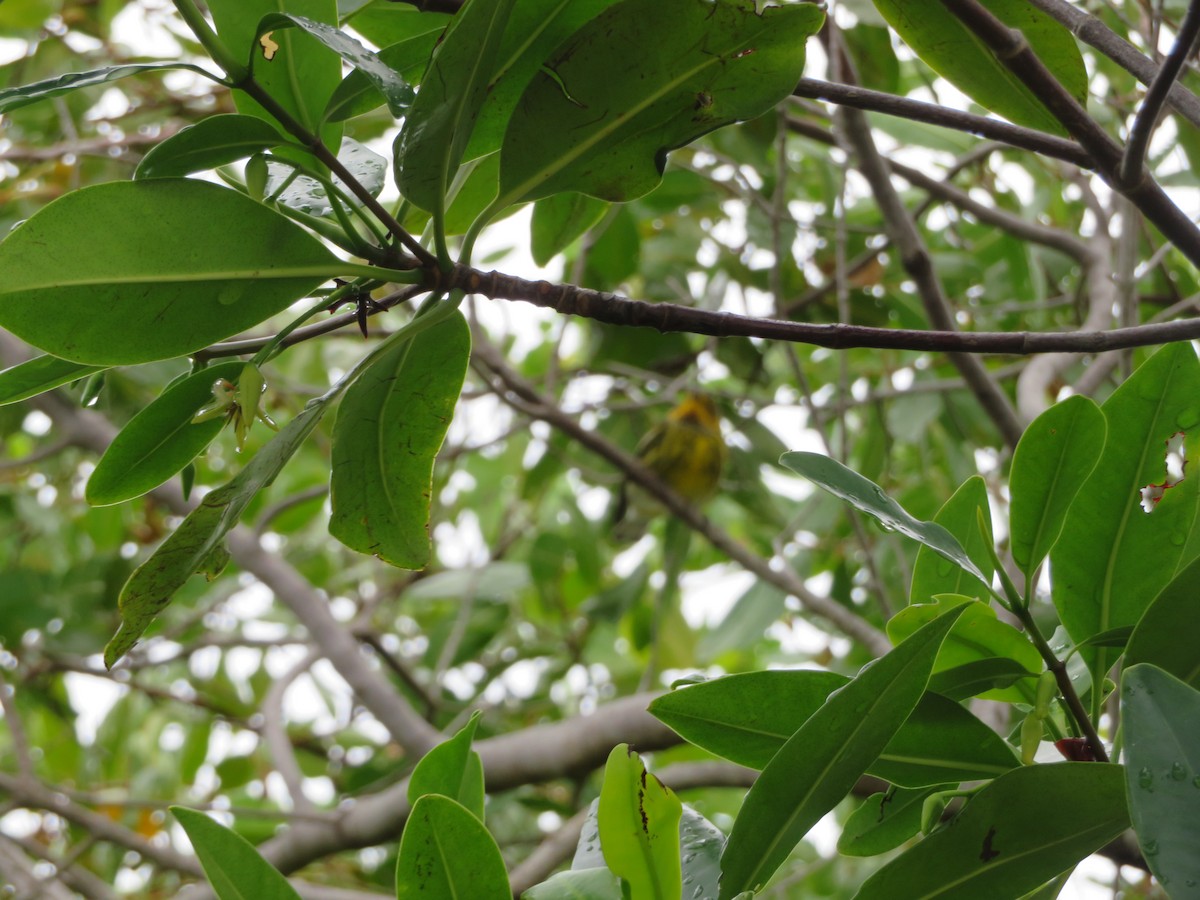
[1113,558]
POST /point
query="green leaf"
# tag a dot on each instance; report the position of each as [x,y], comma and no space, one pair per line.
[1156,639]
[38,375]
[820,763]
[151,586]
[453,769]
[949,48]
[132,271]
[309,196]
[357,94]
[215,141]
[978,677]
[195,749]
[1160,717]
[395,90]
[300,74]
[933,575]
[866,496]
[1056,454]
[1021,830]
[639,827]
[234,868]
[747,719]
[1113,558]
[884,821]
[577,884]
[558,220]
[389,429]
[535,28]
[437,128]
[978,635]
[160,440]
[445,852]
[687,68]
[22,95]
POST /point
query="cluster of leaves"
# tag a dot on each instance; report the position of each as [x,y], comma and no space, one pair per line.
[517,102]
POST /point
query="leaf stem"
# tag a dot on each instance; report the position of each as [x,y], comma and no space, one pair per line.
[221,54]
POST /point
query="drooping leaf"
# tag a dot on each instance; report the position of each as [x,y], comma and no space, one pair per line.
[687,68]
[234,868]
[747,718]
[1023,829]
[215,141]
[868,497]
[1113,558]
[820,763]
[438,126]
[452,769]
[1056,454]
[151,586]
[639,827]
[446,852]
[24,94]
[127,272]
[954,52]
[38,375]
[357,94]
[389,429]
[1160,717]
[160,440]
[395,90]
[960,516]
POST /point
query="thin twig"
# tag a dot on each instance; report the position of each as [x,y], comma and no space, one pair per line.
[1133,163]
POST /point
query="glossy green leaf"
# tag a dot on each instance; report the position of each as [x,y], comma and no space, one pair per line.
[1156,639]
[300,74]
[1113,558]
[215,141]
[397,92]
[437,128]
[1160,717]
[960,516]
[639,827]
[687,68]
[446,853]
[151,586]
[1056,454]
[949,48]
[535,28]
[868,497]
[885,820]
[747,718]
[452,769]
[24,94]
[978,677]
[390,426]
[234,868]
[38,375]
[357,94]
[1018,832]
[160,440]
[558,220]
[308,195]
[820,763]
[155,269]
[578,884]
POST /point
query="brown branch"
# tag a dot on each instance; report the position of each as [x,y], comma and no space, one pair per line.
[1013,51]
[919,111]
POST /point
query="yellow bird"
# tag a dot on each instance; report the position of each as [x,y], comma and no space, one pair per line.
[686,451]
